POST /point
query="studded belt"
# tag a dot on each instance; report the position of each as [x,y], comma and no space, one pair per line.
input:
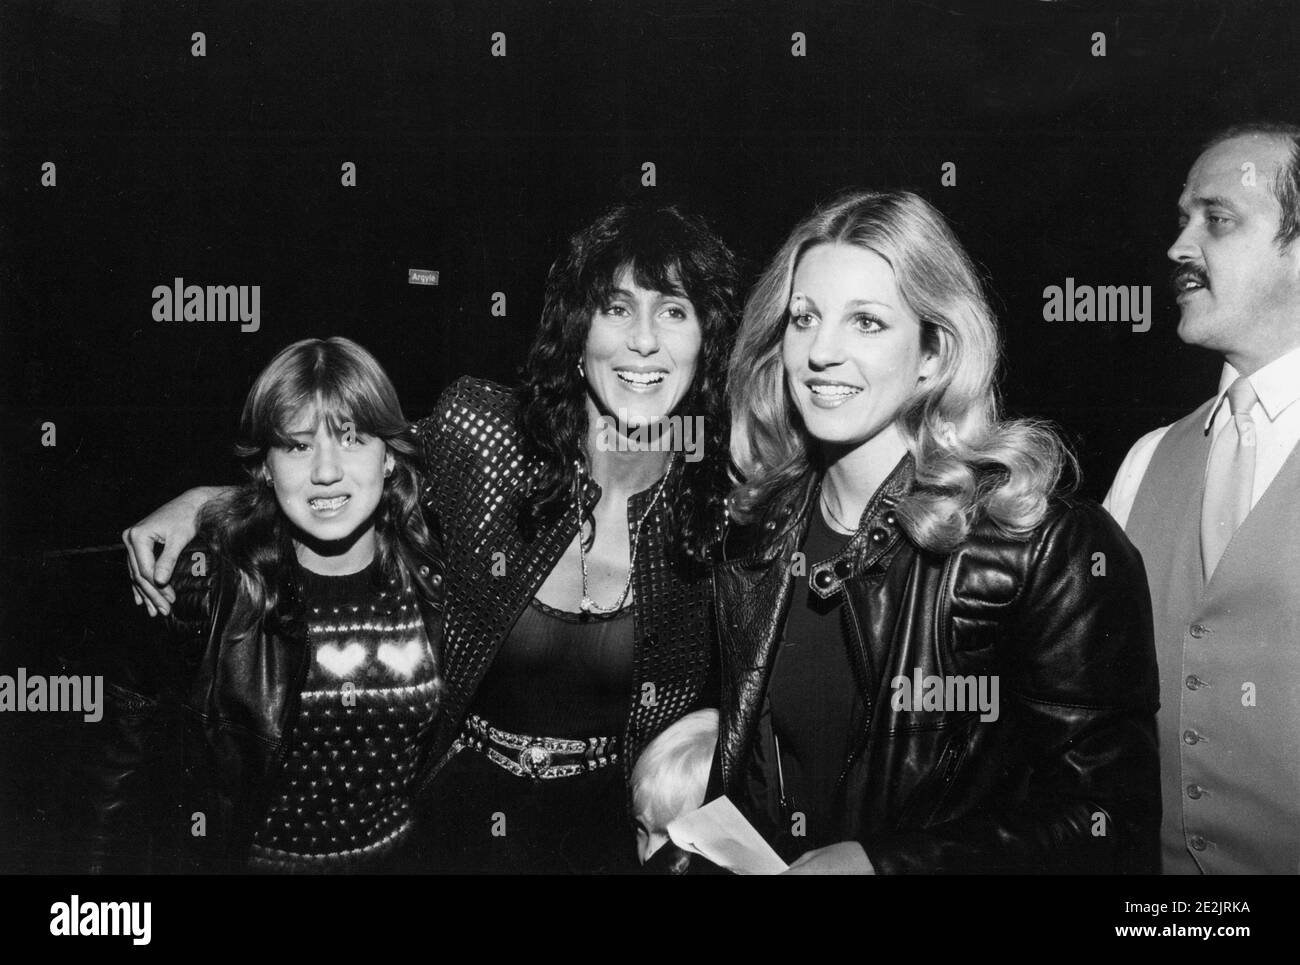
[543,758]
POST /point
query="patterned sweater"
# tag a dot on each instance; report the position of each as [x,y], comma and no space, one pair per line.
[342,800]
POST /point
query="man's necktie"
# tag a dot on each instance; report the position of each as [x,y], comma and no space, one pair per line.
[1229,477]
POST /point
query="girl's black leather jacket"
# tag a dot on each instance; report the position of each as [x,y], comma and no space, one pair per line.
[196,724]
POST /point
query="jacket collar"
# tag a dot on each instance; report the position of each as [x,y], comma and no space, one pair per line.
[290,615]
[788,518]
[758,542]
[877,531]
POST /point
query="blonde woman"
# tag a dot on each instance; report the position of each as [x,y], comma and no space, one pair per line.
[932,660]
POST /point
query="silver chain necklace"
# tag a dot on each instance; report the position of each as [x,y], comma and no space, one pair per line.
[589,605]
[826,505]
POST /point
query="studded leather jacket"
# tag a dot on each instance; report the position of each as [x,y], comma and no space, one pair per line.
[1065,779]
[198,724]
[477,479]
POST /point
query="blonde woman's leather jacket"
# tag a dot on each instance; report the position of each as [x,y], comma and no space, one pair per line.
[1065,779]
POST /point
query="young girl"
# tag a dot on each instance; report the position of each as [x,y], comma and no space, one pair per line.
[306,678]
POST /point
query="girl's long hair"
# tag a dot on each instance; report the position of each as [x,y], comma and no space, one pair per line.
[340,382]
[971,465]
[666,250]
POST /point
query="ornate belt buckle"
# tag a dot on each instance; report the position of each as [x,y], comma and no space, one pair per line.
[534,759]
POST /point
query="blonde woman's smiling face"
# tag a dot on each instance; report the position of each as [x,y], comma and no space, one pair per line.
[852,347]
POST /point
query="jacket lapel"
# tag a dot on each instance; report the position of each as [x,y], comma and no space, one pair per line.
[753,598]
[754,593]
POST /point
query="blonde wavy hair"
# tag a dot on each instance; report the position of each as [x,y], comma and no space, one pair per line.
[971,465]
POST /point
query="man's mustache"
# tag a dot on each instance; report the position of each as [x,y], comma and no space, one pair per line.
[1185,272]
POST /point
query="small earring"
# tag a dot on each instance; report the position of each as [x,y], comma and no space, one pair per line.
[388,472]
[581,372]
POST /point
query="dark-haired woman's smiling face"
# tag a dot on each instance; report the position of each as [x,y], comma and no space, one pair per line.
[641,352]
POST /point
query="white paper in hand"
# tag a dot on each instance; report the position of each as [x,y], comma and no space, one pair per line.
[720,833]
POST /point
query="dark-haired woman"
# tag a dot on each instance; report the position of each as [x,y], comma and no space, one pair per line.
[575,515]
[932,661]
[279,720]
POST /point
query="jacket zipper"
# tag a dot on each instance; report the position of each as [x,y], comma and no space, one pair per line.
[276,765]
[866,695]
[782,801]
[295,706]
[957,750]
[955,753]
[946,586]
[941,621]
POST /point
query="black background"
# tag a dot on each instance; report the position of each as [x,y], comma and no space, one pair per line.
[226,169]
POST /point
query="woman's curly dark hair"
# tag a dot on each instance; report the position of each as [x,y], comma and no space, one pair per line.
[667,250]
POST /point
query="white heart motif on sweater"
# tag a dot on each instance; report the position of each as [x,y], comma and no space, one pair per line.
[402,659]
[341,662]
